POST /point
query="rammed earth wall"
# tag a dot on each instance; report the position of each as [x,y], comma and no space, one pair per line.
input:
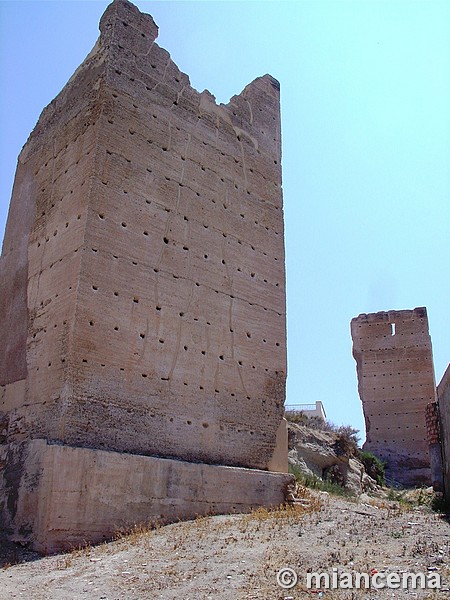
[143,284]
[396,382]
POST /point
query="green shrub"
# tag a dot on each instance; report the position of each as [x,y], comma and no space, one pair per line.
[373,466]
[315,483]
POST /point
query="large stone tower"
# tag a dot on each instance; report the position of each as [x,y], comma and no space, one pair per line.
[143,292]
[396,382]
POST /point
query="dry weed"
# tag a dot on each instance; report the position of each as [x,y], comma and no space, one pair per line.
[286,513]
[65,562]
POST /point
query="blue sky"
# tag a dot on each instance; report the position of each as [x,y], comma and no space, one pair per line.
[365,97]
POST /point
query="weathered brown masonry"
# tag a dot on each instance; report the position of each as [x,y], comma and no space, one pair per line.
[396,382]
[143,285]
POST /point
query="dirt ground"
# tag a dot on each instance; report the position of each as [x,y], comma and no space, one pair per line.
[238,557]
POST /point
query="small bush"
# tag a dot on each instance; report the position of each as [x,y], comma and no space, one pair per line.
[315,483]
[345,445]
[346,431]
[403,497]
[317,423]
[373,466]
[349,432]
[297,417]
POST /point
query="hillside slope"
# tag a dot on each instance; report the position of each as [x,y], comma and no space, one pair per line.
[237,557]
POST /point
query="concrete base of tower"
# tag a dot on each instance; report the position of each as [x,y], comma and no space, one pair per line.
[65,496]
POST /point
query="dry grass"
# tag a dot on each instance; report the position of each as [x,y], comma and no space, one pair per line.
[308,503]
[202,525]
[237,557]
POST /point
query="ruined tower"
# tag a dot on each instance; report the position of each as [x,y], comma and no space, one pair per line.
[142,305]
[396,382]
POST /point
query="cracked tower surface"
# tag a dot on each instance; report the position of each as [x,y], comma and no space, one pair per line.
[396,382]
[143,286]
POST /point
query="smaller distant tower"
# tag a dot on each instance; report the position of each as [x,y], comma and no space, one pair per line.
[395,382]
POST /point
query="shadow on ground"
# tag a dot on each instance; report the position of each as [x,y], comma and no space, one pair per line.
[13,554]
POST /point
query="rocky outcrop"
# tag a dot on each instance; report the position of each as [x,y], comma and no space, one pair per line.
[318,453]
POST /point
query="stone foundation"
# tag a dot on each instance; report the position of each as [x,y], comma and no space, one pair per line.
[93,494]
